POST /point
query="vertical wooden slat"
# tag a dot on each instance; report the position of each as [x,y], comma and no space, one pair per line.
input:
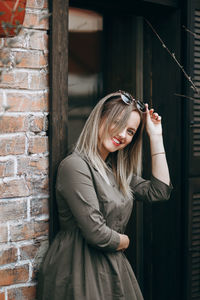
[193,256]
[58,45]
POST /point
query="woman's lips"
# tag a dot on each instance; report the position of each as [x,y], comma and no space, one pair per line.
[115,141]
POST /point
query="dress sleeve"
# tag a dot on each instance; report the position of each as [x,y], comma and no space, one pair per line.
[75,184]
[152,190]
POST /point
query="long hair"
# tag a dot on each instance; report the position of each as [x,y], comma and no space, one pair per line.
[125,162]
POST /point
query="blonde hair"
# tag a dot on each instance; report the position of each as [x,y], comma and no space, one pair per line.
[124,162]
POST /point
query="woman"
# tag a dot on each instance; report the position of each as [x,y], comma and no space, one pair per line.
[95,189]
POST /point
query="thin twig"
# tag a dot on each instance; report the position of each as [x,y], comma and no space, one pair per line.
[184,96]
[193,86]
[191,32]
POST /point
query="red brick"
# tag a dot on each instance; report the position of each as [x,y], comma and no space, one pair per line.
[13,276]
[22,102]
[8,256]
[14,188]
[34,251]
[38,144]
[17,80]
[29,251]
[12,210]
[39,207]
[10,124]
[38,40]
[28,230]
[12,145]
[33,20]
[38,123]
[37,4]
[3,233]
[32,165]
[38,185]
[2,296]
[5,58]
[22,293]
[38,80]
[30,59]
[7,168]
[16,42]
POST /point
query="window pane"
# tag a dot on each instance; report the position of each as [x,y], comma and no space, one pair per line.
[85,67]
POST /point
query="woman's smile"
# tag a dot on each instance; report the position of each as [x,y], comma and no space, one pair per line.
[122,139]
[116,141]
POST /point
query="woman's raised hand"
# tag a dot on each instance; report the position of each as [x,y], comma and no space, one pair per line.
[153,122]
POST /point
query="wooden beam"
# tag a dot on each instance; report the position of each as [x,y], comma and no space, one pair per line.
[58,99]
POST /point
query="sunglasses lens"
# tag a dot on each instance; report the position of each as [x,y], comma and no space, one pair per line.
[126,99]
[141,106]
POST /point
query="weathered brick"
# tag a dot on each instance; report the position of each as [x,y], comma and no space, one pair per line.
[28,230]
[17,80]
[1,102]
[7,168]
[2,296]
[22,293]
[38,80]
[37,4]
[9,124]
[35,251]
[39,206]
[14,188]
[37,123]
[22,102]
[38,185]
[18,41]
[3,233]
[13,145]
[38,144]
[13,210]
[8,256]
[38,40]
[35,20]
[13,276]
[5,58]
[30,59]
[32,165]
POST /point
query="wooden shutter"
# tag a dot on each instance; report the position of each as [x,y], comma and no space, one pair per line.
[191,287]
[193,257]
[194,109]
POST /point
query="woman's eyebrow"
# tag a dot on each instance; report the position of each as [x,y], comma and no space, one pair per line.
[134,129]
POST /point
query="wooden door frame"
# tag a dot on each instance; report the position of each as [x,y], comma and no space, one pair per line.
[58,98]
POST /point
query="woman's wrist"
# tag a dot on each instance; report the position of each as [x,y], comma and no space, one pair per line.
[156,144]
[156,137]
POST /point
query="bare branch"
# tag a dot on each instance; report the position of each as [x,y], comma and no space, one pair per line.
[193,86]
[184,96]
[197,36]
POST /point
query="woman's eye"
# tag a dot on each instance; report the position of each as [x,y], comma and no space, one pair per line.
[131,132]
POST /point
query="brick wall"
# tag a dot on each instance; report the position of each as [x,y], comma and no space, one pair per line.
[24,156]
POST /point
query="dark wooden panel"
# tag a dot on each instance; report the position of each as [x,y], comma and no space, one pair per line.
[58,45]
[162,222]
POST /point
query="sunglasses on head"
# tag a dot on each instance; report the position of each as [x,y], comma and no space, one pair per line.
[128,99]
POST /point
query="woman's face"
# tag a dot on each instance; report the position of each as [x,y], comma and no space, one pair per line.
[121,139]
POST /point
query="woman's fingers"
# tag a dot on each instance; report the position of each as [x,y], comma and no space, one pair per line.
[153,115]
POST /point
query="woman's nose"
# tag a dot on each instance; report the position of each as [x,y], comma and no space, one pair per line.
[122,134]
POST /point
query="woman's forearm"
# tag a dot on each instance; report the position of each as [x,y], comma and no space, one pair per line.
[159,163]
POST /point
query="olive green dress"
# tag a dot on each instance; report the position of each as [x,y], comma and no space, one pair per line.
[82,263]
